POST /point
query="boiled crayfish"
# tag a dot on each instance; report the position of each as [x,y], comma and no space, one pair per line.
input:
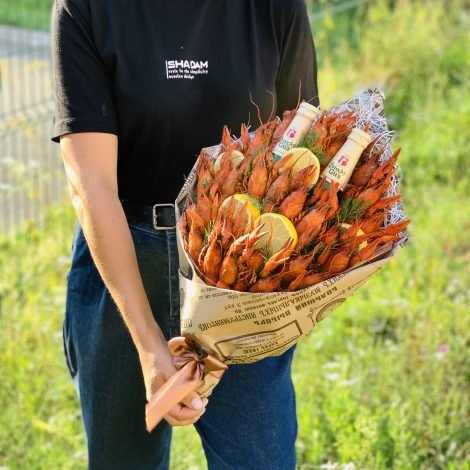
[335,231]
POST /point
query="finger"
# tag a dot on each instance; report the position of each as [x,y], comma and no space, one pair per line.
[183,413]
[181,418]
[193,400]
[175,422]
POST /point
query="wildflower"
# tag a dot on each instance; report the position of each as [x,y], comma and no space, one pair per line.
[442,351]
[444,348]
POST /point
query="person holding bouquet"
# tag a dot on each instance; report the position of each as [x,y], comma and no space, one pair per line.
[140,87]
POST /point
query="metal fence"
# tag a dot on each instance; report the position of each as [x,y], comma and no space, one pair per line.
[31,174]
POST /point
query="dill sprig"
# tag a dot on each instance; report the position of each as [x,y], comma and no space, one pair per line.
[263,202]
[321,155]
[248,170]
[312,246]
[266,252]
[208,230]
[258,203]
[309,142]
[351,209]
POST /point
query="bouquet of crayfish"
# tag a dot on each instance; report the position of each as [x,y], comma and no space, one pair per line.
[255,224]
[274,234]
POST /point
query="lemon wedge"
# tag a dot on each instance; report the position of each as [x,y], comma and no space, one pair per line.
[236,158]
[241,202]
[344,227]
[280,229]
[302,158]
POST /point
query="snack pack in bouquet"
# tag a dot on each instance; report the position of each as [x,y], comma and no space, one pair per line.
[275,230]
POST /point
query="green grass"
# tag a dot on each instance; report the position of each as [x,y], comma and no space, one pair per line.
[372,387]
[383,382]
[31,14]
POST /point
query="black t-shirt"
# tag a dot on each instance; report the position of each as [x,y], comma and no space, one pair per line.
[166,75]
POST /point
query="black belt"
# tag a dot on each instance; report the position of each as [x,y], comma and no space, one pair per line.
[160,216]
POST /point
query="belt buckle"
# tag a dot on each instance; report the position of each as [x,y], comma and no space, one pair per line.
[155,217]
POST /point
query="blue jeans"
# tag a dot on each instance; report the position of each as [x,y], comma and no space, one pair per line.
[250,422]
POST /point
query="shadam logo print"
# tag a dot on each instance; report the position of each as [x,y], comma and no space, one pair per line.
[186,69]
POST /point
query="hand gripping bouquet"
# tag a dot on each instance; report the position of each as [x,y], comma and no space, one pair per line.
[275,230]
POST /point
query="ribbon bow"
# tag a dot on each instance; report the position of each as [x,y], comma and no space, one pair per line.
[192,368]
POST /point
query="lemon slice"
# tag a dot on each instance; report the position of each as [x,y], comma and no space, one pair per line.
[241,202]
[280,229]
[250,199]
[344,227]
[302,158]
[236,157]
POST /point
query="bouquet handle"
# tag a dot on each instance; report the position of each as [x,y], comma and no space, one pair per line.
[192,367]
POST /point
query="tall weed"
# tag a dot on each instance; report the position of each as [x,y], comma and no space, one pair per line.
[416,53]
[417,50]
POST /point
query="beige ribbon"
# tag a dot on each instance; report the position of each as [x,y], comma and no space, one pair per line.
[192,368]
